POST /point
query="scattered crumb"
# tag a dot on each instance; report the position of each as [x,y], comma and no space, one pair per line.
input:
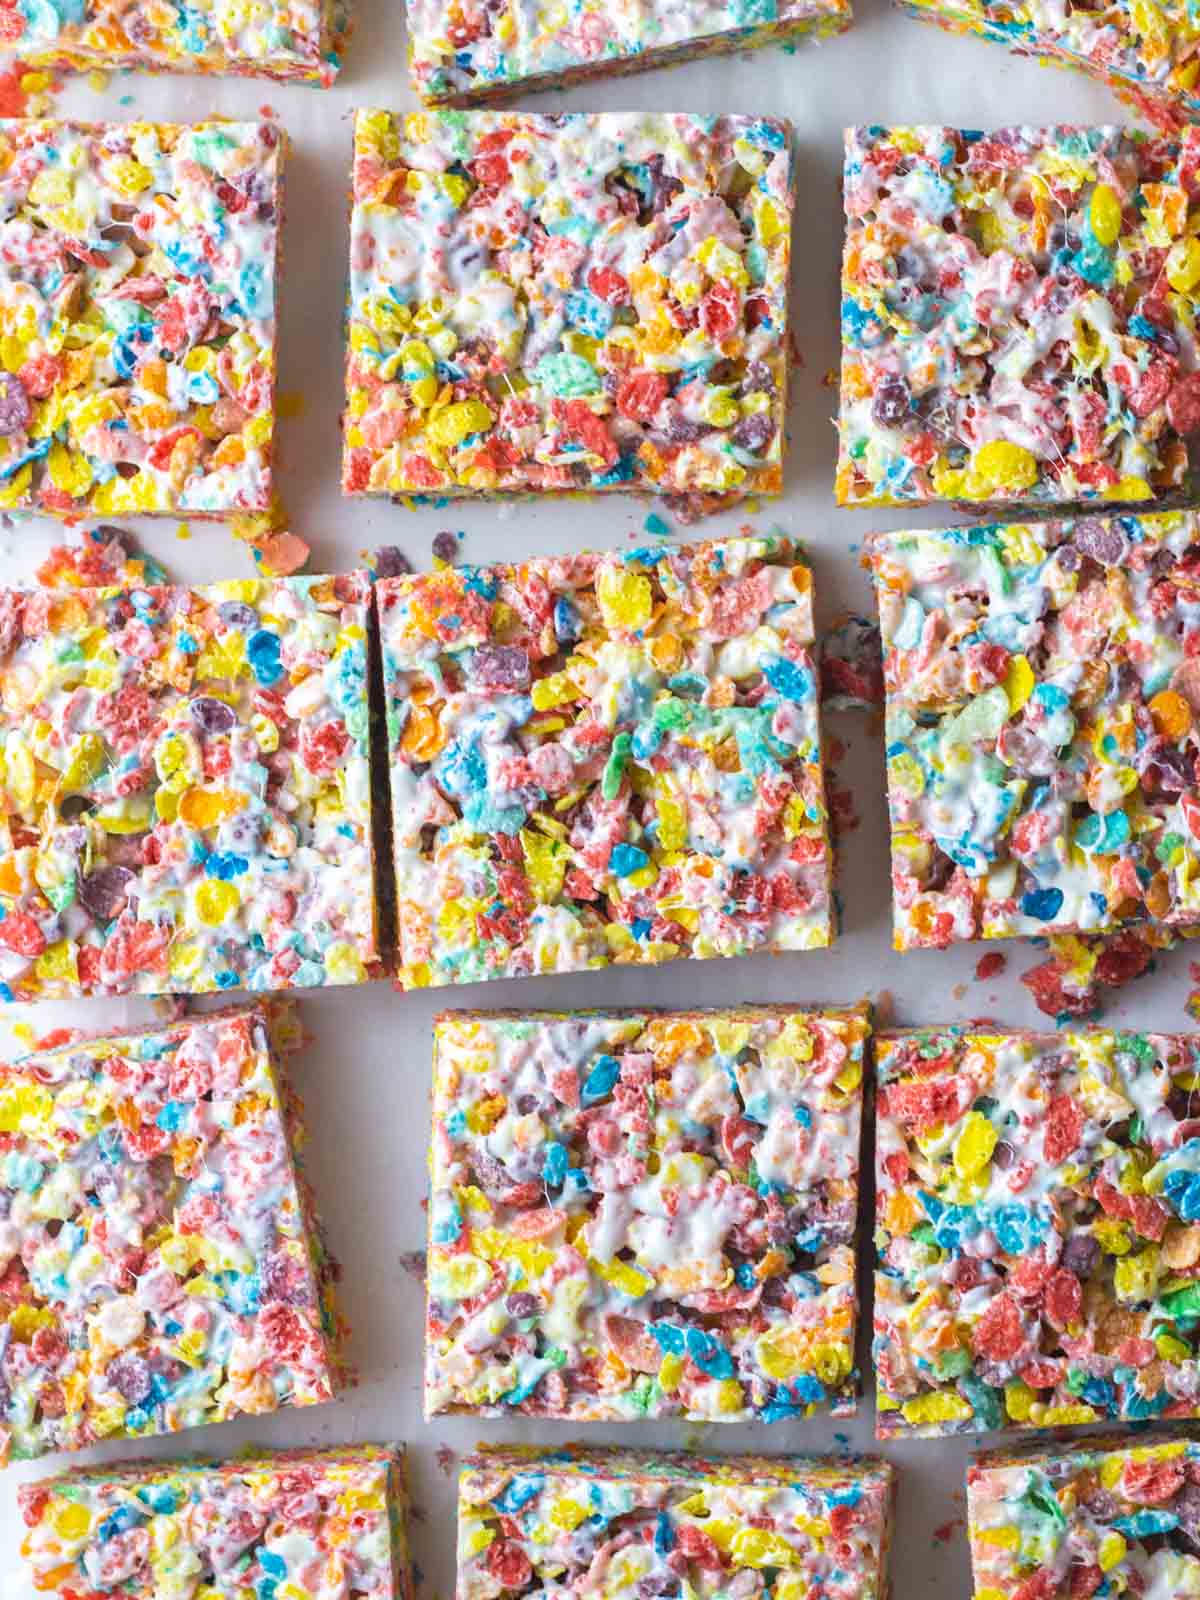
[990,965]
[389,561]
[445,545]
[851,657]
[1083,971]
[412,1262]
[27,92]
[97,558]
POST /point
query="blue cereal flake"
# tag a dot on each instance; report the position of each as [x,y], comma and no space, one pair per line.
[601,1080]
[627,859]
[788,678]
[263,653]
[1042,904]
[709,1354]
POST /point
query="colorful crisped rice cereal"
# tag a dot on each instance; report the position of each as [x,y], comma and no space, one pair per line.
[1038,1229]
[605,758]
[645,1215]
[461,54]
[296,1522]
[98,558]
[137,316]
[1146,52]
[851,664]
[1108,1516]
[535,1520]
[162,1263]
[1017,312]
[551,303]
[288,40]
[186,799]
[1043,700]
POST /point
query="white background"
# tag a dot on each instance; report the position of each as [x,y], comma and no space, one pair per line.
[364,1077]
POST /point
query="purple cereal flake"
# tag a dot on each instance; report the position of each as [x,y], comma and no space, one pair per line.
[391,562]
[1102,541]
[236,614]
[130,1377]
[445,545]
[103,893]
[754,432]
[212,716]
[14,405]
[500,666]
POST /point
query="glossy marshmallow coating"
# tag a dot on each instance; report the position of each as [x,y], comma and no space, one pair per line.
[645,1215]
[605,759]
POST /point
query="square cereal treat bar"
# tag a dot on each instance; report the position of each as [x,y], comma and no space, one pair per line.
[288,40]
[1038,1253]
[1016,315]
[1146,56]
[645,1215]
[1105,1516]
[461,54]
[162,1262]
[295,1522]
[184,785]
[605,758]
[1043,693]
[137,316]
[571,302]
[530,1519]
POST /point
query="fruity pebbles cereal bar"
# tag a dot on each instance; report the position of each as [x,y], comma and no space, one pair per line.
[542,303]
[1038,1229]
[465,53]
[645,1215]
[297,1522]
[287,40]
[1017,315]
[1043,701]
[162,1265]
[1108,1517]
[531,1520]
[137,316]
[605,758]
[1144,50]
[186,803]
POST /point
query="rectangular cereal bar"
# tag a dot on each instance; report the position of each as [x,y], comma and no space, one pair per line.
[645,1215]
[1043,695]
[462,54]
[137,316]
[605,758]
[295,1522]
[1016,315]
[1106,1516]
[184,785]
[1145,53]
[162,1262]
[1037,1243]
[532,1520]
[544,303]
[287,40]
